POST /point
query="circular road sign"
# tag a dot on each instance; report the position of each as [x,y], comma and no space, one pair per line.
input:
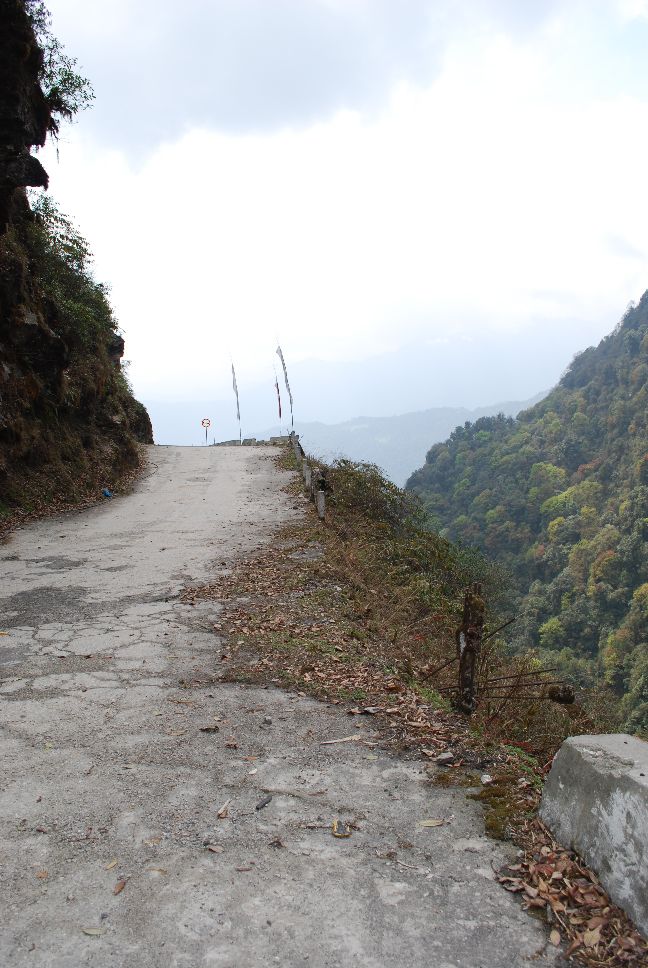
[206,422]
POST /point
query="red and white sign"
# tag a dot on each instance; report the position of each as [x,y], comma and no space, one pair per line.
[206,422]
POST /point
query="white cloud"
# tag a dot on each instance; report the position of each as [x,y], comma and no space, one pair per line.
[484,200]
[633,9]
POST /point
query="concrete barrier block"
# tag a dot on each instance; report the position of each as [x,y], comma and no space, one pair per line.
[595,801]
[320,497]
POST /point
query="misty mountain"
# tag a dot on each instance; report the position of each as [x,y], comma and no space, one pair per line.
[457,374]
[396,444]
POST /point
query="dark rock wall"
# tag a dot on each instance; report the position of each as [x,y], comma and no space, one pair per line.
[67,418]
[24,112]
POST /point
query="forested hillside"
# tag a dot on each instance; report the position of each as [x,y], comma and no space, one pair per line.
[395,444]
[559,496]
[69,425]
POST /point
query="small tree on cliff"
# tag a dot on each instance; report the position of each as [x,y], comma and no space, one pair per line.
[66,91]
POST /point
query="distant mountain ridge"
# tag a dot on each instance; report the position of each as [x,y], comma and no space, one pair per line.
[559,496]
[396,444]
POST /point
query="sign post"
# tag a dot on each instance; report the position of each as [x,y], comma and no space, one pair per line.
[206,423]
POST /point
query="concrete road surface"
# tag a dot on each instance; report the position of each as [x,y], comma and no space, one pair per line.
[110,791]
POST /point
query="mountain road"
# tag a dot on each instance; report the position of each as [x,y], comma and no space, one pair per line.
[132,830]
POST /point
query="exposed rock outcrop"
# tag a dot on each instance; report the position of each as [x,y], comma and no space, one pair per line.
[68,421]
[24,111]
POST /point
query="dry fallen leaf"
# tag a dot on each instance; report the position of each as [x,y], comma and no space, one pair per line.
[42,875]
[109,867]
[592,938]
[153,841]
[576,943]
[119,886]
[157,870]
[222,813]
[433,822]
[93,932]
[554,937]
[596,922]
[215,848]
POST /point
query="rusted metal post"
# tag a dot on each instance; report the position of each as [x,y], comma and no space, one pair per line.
[469,637]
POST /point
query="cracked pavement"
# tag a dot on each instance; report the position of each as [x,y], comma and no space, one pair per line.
[112,848]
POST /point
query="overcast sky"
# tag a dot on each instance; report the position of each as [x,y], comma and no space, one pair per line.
[353,177]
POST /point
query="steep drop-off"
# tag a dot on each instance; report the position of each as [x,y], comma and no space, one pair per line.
[69,424]
[559,496]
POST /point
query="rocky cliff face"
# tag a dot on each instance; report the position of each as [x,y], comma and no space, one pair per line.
[24,111]
[68,422]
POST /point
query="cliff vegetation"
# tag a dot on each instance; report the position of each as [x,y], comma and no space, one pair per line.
[69,425]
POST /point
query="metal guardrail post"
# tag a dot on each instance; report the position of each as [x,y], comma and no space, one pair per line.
[306,471]
[298,450]
[469,642]
[314,480]
[318,485]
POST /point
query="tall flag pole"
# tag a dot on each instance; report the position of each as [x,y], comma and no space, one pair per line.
[283,363]
[238,409]
[278,396]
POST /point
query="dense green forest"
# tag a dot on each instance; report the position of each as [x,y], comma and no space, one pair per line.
[559,498]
